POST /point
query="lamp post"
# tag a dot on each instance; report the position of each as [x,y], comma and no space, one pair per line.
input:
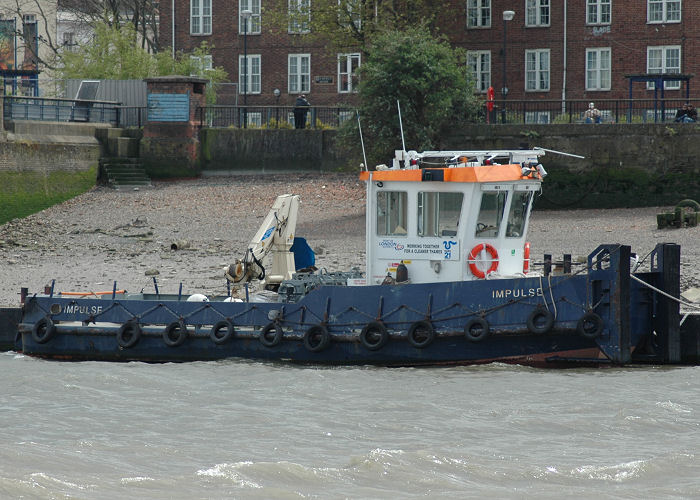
[507,16]
[277,94]
[245,15]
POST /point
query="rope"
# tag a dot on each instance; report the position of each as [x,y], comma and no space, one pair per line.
[677,299]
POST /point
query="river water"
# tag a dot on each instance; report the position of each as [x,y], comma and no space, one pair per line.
[239,429]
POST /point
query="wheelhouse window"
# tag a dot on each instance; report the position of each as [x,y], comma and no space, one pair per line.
[493,204]
[391,213]
[200,17]
[478,13]
[598,69]
[438,213]
[479,64]
[517,215]
[254,24]
[598,11]
[664,59]
[536,13]
[663,11]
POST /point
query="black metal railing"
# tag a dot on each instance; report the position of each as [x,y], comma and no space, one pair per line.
[132,116]
[317,117]
[60,110]
[573,111]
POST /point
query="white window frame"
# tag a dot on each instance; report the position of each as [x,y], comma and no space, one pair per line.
[478,13]
[253,73]
[254,24]
[479,64]
[664,66]
[536,11]
[204,64]
[200,17]
[538,71]
[347,72]
[299,16]
[598,68]
[660,11]
[298,77]
[598,12]
[350,13]
[540,117]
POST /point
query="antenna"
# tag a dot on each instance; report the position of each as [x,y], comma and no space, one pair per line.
[359,126]
[398,105]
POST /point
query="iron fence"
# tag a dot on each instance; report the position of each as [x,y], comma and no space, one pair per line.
[60,110]
[317,117]
[572,111]
[132,116]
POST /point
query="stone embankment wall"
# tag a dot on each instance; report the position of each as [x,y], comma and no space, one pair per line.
[624,165]
[43,163]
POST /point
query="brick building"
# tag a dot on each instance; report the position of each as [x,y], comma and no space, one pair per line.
[555,49]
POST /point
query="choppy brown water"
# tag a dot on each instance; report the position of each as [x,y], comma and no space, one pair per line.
[239,429]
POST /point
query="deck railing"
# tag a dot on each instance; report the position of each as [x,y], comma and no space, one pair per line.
[60,110]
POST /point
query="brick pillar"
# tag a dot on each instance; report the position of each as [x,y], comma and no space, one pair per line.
[170,143]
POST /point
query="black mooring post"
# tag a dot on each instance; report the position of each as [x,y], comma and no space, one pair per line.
[620,303]
[547,264]
[669,313]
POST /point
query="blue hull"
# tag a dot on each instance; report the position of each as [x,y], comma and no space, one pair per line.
[527,320]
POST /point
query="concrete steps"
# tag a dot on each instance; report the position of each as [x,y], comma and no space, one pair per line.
[120,167]
[120,173]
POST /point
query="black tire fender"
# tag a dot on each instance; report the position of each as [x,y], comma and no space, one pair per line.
[225,326]
[421,334]
[540,321]
[43,330]
[374,335]
[271,340]
[129,334]
[317,338]
[175,333]
[477,329]
[590,325]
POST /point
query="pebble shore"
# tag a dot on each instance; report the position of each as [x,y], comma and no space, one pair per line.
[104,235]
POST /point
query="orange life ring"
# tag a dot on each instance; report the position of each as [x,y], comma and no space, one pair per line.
[471,260]
[526,258]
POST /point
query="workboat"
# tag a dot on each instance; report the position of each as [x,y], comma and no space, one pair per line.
[449,279]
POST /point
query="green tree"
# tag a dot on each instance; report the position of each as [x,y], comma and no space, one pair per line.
[116,54]
[344,24]
[429,80]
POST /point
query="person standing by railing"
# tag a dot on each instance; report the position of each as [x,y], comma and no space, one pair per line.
[301,107]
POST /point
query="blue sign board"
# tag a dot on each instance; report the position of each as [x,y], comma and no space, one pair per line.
[169,107]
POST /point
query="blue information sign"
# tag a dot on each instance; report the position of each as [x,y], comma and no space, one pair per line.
[169,107]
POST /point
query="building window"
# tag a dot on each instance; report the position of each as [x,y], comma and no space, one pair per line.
[69,41]
[598,69]
[347,72]
[537,70]
[201,65]
[663,11]
[664,60]
[536,12]
[598,11]
[253,21]
[299,71]
[479,64]
[200,17]
[478,13]
[299,16]
[252,86]
[350,14]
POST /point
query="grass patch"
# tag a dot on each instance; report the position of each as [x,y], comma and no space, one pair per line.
[25,193]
